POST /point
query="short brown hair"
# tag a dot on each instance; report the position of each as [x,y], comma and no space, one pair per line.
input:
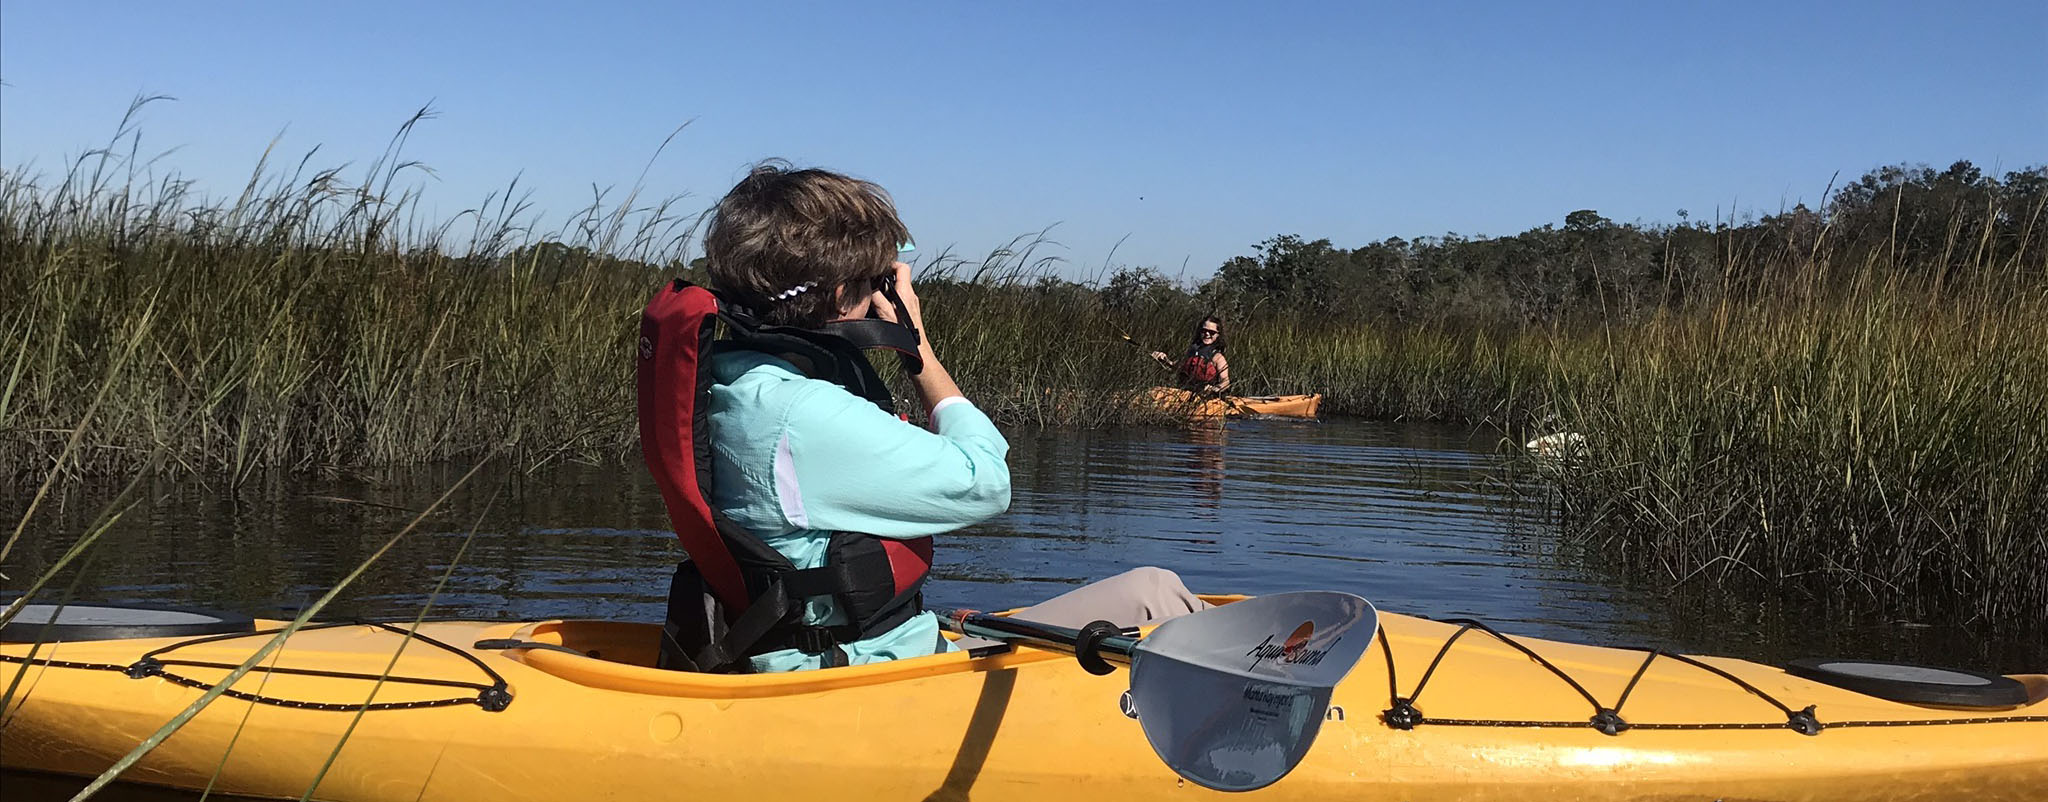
[780,229]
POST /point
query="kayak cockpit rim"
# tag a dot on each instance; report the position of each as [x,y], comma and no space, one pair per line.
[623,661]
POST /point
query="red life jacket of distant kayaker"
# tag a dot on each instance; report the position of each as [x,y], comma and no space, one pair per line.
[736,596]
[1198,368]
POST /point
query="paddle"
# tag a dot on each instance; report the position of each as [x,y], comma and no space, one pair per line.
[1229,697]
[1140,346]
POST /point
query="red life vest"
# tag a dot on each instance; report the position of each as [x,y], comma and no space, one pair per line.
[1199,366]
[736,596]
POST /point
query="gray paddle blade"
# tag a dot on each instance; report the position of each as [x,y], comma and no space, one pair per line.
[86,621]
[1232,697]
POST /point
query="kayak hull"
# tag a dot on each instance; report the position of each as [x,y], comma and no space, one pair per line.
[1019,725]
[1175,400]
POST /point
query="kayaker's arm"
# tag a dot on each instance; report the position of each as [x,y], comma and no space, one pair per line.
[853,467]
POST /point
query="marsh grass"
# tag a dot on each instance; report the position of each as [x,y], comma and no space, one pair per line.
[316,322]
[1874,435]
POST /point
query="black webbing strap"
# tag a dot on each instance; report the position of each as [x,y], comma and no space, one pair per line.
[903,607]
[762,615]
[837,579]
[831,579]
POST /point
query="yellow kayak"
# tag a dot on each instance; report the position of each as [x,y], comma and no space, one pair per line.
[1197,406]
[573,709]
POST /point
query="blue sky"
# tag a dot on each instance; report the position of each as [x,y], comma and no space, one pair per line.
[1193,129]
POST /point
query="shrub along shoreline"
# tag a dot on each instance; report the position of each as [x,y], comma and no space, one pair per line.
[1852,400]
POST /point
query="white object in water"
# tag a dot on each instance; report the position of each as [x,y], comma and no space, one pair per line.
[1558,445]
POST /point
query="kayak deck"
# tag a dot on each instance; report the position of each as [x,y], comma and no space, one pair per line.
[1193,405]
[1021,724]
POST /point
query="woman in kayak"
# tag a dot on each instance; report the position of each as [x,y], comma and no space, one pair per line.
[1203,369]
[796,459]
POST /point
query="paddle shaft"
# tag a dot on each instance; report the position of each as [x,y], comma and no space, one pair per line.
[1096,645]
[1140,346]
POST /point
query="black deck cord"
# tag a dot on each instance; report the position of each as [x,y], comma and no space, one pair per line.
[1401,713]
[30,660]
[1640,671]
[493,697]
[1605,719]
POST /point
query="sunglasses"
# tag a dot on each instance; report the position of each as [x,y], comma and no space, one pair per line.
[1211,332]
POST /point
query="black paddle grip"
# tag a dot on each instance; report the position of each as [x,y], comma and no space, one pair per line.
[1088,643]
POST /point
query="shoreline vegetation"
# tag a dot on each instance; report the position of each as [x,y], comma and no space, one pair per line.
[1850,400]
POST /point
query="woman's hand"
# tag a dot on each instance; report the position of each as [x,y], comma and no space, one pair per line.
[913,308]
[934,384]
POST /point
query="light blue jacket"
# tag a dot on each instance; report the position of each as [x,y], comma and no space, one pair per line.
[796,459]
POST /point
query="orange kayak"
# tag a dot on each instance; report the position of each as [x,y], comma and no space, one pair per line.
[513,711]
[1196,406]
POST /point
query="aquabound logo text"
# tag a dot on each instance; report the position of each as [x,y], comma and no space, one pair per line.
[1293,650]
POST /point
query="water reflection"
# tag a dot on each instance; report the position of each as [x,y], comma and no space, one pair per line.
[1205,465]
[1405,515]
[1410,516]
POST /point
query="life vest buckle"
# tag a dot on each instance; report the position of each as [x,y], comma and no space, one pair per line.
[812,639]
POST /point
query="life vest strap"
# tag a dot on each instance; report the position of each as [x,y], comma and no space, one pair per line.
[759,631]
[830,579]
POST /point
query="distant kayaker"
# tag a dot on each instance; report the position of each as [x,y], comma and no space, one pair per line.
[1203,368]
[800,463]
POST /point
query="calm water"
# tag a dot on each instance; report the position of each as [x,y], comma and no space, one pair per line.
[1414,517]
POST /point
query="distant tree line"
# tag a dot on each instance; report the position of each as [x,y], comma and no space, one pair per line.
[1952,225]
